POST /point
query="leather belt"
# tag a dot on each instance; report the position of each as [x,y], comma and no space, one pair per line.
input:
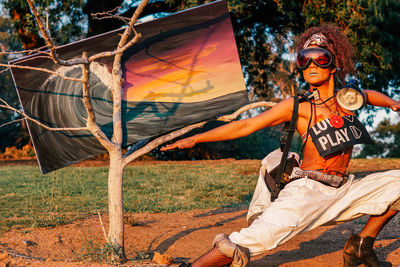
[327,179]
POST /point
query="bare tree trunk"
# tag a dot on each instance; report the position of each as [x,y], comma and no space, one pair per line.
[116,205]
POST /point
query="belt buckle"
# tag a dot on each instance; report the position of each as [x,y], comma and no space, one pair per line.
[285,179]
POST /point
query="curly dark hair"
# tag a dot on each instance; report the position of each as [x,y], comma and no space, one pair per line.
[338,44]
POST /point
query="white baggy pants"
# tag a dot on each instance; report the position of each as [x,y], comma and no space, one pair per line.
[305,204]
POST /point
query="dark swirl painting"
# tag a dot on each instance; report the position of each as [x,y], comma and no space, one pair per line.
[184,69]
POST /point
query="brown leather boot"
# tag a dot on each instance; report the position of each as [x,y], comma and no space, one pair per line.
[359,250]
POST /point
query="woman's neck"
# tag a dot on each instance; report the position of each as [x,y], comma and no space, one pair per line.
[325,90]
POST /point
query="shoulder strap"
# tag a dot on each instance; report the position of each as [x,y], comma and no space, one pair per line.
[286,139]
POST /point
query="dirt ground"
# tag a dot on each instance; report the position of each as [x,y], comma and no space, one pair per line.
[183,236]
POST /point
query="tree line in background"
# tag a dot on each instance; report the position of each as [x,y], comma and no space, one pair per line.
[265,31]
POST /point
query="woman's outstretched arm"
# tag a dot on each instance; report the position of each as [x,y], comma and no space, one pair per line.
[376,98]
[277,114]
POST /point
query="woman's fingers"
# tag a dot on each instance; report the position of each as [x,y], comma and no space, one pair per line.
[396,107]
[168,147]
[181,144]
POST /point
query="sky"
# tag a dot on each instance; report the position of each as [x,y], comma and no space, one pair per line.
[380,115]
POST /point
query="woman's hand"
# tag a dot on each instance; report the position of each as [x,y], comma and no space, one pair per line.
[181,144]
[396,107]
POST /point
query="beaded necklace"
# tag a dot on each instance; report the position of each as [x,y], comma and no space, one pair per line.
[334,117]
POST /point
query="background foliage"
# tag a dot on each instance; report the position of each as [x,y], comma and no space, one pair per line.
[11,134]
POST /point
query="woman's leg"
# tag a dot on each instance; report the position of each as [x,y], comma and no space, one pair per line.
[359,248]
[212,258]
[375,223]
[223,253]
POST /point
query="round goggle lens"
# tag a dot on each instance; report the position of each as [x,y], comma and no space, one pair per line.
[323,60]
[320,56]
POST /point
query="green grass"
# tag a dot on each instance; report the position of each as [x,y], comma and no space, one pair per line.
[30,199]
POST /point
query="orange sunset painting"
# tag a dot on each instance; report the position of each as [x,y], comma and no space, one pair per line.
[196,65]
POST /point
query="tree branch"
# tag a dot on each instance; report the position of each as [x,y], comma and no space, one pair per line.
[49,40]
[116,73]
[26,116]
[4,124]
[103,228]
[123,44]
[159,141]
[40,69]
[117,51]
[133,20]
[110,15]
[129,157]
[37,50]
[91,121]
[6,69]
[231,117]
